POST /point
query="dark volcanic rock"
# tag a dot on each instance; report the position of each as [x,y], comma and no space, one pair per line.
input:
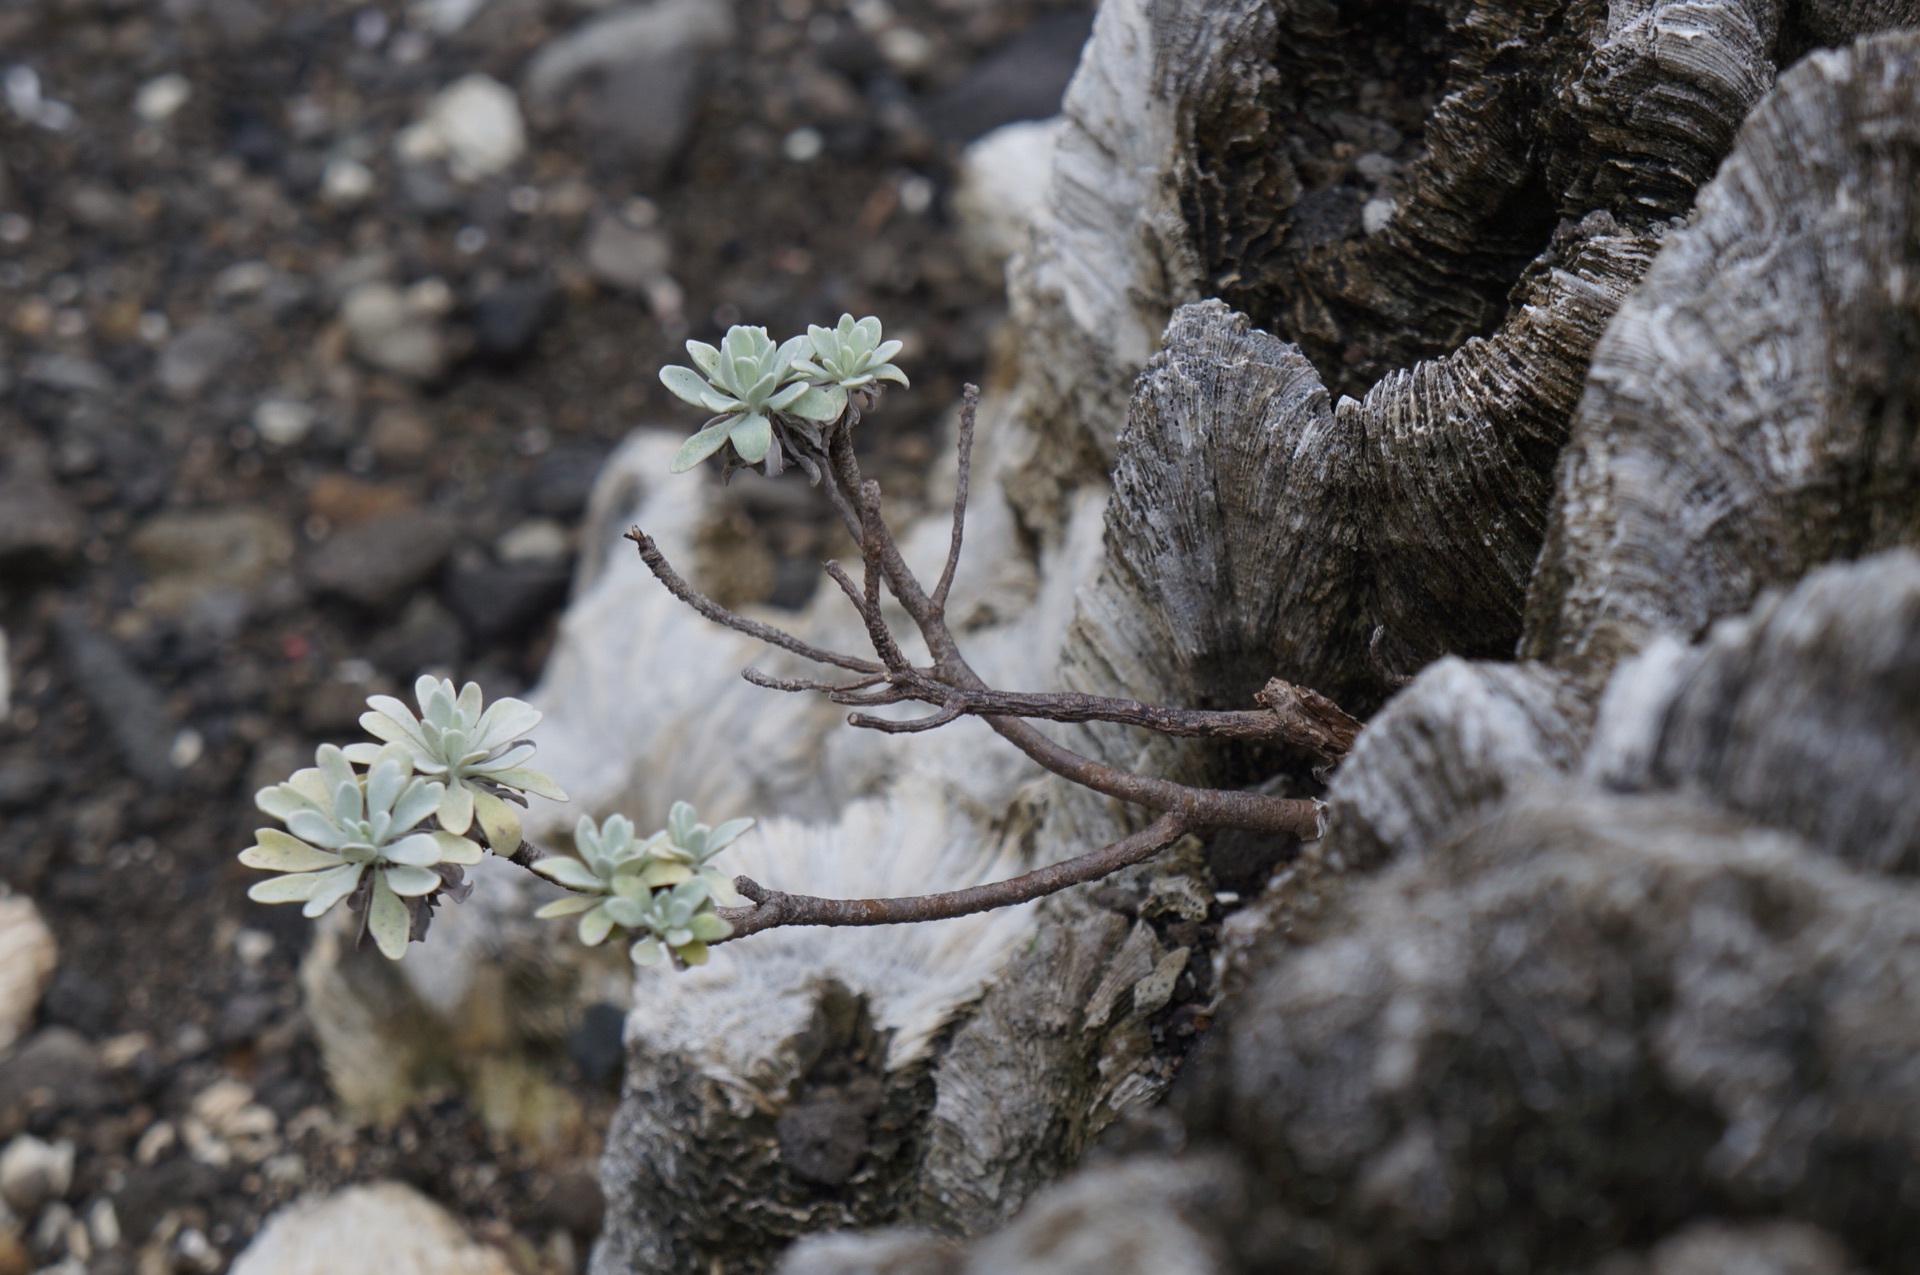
[40,526]
[55,1071]
[508,318]
[132,707]
[496,598]
[378,561]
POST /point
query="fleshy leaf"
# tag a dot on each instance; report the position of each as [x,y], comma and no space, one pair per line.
[506,719]
[720,886]
[709,928]
[625,911]
[456,808]
[725,835]
[410,882]
[567,907]
[700,446]
[388,920]
[595,926]
[498,821]
[421,850]
[331,887]
[664,872]
[536,782]
[819,403]
[569,872]
[694,953]
[297,888]
[751,438]
[278,852]
[647,952]
[684,383]
[456,849]
[418,801]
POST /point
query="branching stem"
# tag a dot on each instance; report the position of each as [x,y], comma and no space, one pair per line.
[772,908]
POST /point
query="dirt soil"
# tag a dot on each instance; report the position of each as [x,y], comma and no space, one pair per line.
[231,507]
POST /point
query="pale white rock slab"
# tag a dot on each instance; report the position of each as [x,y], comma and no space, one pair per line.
[383,1229]
[28,954]
[1001,194]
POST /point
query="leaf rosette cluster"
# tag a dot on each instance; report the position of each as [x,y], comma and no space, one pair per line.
[351,832]
[658,890]
[772,403]
[394,835]
[478,754]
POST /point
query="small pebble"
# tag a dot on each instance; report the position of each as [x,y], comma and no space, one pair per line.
[803,145]
[345,181]
[33,1172]
[161,98]
[283,422]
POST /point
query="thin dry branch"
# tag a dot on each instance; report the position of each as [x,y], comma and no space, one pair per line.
[867,604]
[913,726]
[772,908]
[799,684]
[663,572]
[1209,807]
[969,406]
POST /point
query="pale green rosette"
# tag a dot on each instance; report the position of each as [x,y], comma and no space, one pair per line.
[660,890]
[476,753]
[848,356]
[744,382]
[343,826]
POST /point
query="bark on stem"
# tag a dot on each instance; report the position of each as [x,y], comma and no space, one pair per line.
[772,908]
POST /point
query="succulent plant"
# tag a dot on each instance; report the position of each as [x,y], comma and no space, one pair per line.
[848,356]
[658,888]
[343,826]
[744,383]
[476,754]
[691,844]
[680,921]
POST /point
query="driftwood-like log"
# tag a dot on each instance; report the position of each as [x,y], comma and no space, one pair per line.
[1567,1023]
[1750,412]
[1452,746]
[1442,211]
[1802,714]
[1583,1024]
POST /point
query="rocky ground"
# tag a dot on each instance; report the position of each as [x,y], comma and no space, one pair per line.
[316,320]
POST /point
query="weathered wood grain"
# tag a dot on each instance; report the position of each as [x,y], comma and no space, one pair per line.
[1750,412]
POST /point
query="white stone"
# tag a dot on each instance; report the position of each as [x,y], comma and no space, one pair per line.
[283,421]
[160,98]
[346,181]
[1002,192]
[103,1224]
[33,1172]
[27,957]
[394,330]
[536,540]
[382,1229]
[474,124]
